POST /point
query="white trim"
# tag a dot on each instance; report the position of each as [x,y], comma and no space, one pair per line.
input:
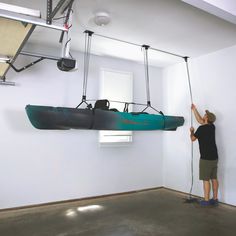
[20,10]
[4,59]
[30,20]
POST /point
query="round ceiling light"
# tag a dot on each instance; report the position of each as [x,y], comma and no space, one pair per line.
[102,18]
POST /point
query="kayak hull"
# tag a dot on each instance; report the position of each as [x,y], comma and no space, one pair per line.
[62,118]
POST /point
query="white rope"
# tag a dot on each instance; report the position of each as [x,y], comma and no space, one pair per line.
[191,99]
[145,54]
[86,61]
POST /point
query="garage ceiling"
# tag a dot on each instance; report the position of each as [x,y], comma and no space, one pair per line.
[170,25]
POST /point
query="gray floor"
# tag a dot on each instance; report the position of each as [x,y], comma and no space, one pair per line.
[150,213]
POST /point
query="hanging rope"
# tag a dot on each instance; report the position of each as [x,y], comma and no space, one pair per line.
[146,68]
[87,48]
[145,54]
[191,123]
[135,44]
[88,35]
[190,87]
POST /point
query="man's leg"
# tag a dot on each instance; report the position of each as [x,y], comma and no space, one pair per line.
[207,188]
[215,186]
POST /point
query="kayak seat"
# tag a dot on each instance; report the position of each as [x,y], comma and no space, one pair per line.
[102,104]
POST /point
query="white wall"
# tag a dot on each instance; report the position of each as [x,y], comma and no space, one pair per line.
[46,166]
[213,83]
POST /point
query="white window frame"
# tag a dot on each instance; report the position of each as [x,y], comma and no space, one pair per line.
[110,137]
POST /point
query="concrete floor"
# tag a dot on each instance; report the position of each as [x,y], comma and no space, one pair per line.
[149,213]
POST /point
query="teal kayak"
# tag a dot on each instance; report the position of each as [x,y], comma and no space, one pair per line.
[62,118]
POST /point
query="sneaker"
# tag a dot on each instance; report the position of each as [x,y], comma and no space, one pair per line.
[213,202]
[204,203]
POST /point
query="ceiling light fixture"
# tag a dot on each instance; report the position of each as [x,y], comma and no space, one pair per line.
[102,18]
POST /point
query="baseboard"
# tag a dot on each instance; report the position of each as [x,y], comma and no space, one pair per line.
[103,196]
[181,192]
[78,199]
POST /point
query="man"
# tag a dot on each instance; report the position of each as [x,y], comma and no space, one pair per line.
[205,135]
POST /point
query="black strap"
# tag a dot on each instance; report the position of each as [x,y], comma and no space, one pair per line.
[126,108]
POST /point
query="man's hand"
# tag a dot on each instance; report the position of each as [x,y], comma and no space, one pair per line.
[192,137]
[191,129]
[193,107]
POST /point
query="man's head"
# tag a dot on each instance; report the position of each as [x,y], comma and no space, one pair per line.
[210,117]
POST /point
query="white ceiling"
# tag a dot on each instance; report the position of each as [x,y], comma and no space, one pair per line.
[225,9]
[170,25]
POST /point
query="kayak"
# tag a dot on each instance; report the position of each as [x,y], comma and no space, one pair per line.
[63,118]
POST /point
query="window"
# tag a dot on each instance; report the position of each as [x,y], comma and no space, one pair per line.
[116,86]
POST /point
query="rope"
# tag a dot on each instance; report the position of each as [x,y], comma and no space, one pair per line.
[86,61]
[145,54]
[189,82]
[85,65]
[135,44]
[88,35]
[119,40]
[191,98]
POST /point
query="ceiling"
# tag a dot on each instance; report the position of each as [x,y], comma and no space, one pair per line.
[225,9]
[170,25]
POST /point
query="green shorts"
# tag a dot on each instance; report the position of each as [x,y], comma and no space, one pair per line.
[208,169]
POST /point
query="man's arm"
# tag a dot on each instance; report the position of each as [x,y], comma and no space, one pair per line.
[197,115]
[192,137]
